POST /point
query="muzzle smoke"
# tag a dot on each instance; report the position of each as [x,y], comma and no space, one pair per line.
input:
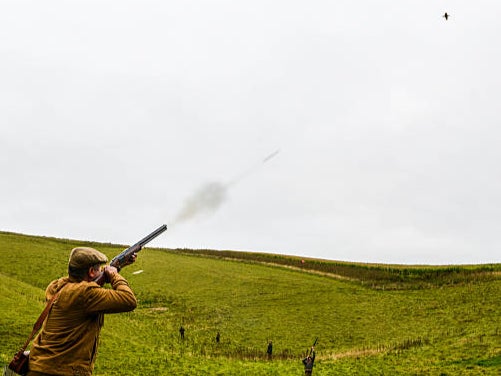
[205,200]
[208,198]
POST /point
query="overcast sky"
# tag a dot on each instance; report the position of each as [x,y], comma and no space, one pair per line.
[119,116]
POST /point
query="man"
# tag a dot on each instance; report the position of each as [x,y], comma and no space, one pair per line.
[181,332]
[308,362]
[269,350]
[67,343]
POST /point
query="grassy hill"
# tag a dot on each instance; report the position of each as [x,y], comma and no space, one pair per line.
[369,319]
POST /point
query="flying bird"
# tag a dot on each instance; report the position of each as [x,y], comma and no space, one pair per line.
[446,16]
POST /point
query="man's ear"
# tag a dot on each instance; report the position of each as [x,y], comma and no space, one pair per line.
[92,273]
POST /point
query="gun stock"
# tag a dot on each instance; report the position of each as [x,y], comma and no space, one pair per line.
[122,259]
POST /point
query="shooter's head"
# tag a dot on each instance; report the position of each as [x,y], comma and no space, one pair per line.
[82,259]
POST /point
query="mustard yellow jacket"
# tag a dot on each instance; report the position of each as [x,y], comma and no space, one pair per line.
[67,343]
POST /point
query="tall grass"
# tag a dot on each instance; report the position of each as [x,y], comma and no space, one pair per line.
[371,275]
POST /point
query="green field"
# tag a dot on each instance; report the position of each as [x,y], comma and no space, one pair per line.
[369,319]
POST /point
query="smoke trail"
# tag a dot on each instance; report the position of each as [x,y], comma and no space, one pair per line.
[271,155]
[205,200]
[252,168]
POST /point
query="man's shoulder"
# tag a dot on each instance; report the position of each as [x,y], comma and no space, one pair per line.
[80,287]
[82,291]
[56,285]
[86,285]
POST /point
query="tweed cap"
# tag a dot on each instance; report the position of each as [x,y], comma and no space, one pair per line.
[84,257]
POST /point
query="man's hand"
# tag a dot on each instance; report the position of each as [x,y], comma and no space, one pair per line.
[131,259]
[109,272]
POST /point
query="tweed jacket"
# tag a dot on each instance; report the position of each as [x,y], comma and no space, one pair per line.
[67,344]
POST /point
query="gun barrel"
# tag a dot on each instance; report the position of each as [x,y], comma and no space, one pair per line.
[123,256]
[314,343]
[152,236]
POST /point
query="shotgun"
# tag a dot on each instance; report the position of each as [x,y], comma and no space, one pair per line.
[122,259]
[314,343]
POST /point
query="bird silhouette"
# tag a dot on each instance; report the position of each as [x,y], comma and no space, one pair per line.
[446,16]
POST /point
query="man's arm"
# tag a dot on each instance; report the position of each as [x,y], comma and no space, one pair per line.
[119,299]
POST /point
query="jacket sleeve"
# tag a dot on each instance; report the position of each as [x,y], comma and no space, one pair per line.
[103,300]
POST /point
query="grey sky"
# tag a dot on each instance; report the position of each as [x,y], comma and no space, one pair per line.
[115,115]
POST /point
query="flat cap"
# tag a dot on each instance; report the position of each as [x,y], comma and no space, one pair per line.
[84,257]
